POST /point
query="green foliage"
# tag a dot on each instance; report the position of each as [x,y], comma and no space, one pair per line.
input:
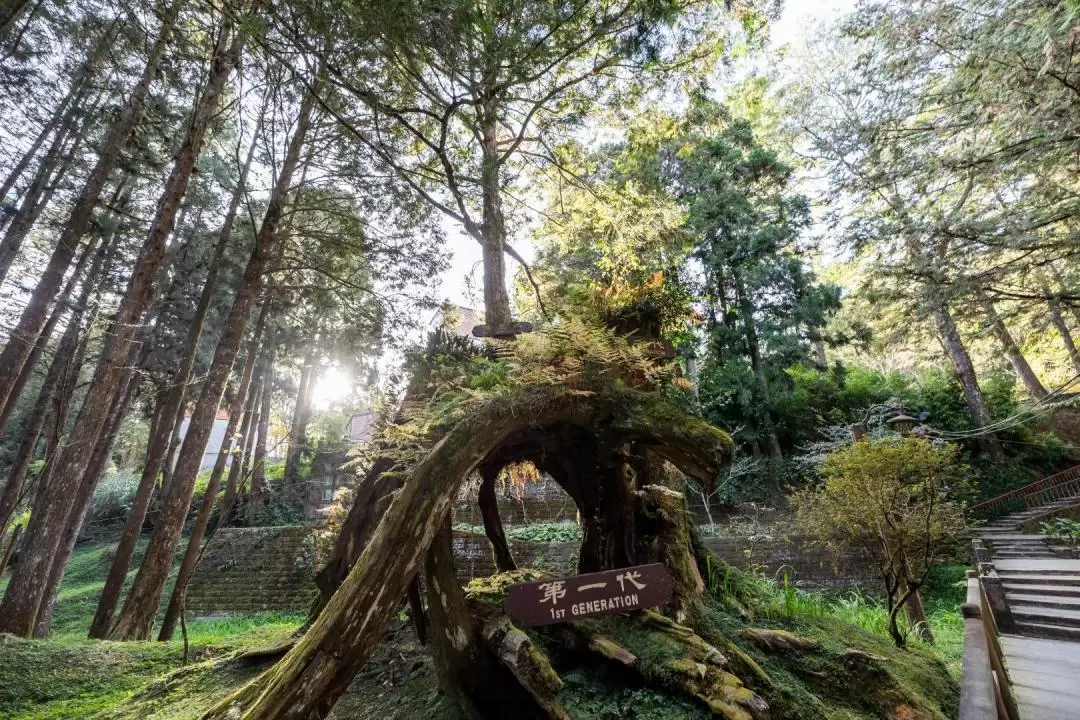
[560,532]
[1062,530]
[130,448]
[456,378]
[598,693]
[897,499]
[112,496]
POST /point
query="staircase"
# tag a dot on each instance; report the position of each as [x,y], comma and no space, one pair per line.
[1042,587]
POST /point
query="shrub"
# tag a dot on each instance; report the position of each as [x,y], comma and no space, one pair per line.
[112,497]
[893,498]
[1063,531]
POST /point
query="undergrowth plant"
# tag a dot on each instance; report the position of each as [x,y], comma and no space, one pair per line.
[1063,531]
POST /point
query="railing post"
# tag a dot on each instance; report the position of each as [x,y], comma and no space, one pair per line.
[985,633]
[977,697]
[992,589]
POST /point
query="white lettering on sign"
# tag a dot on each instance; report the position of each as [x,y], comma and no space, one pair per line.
[553,592]
[630,577]
[620,590]
[604,604]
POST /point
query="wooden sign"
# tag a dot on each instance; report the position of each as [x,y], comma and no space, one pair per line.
[502,331]
[583,596]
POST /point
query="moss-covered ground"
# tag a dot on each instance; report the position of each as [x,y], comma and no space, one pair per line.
[848,670]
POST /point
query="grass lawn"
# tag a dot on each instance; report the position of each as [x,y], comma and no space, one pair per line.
[69,676]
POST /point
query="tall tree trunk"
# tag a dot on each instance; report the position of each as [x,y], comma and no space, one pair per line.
[24,593]
[1058,319]
[99,460]
[38,194]
[242,457]
[163,438]
[460,660]
[140,607]
[960,359]
[121,198]
[493,226]
[192,553]
[129,537]
[65,350]
[262,433]
[1012,351]
[22,338]
[300,420]
[174,434]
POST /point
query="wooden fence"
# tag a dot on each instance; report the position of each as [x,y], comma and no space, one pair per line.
[1063,485]
[984,689]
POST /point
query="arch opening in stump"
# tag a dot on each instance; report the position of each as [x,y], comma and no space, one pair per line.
[613,452]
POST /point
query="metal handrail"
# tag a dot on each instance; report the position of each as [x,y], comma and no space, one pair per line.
[984,688]
[1055,487]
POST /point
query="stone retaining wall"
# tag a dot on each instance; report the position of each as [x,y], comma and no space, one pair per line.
[805,564]
[249,570]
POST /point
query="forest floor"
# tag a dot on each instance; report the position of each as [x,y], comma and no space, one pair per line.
[69,676]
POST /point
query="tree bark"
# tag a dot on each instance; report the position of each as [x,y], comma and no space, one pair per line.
[99,460]
[416,604]
[460,660]
[24,334]
[960,359]
[313,675]
[262,433]
[24,594]
[137,617]
[1012,351]
[103,248]
[493,225]
[58,368]
[493,527]
[163,437]
[238,468]
[300,420]
[125,547]
[1058,319]
[915,612]
[202,519]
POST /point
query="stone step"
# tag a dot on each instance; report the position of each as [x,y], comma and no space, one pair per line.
[1036,629]
[1045,615]
[1033,589]
[1024,549]
[1020,548]
[1063,602]
[1019,579]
